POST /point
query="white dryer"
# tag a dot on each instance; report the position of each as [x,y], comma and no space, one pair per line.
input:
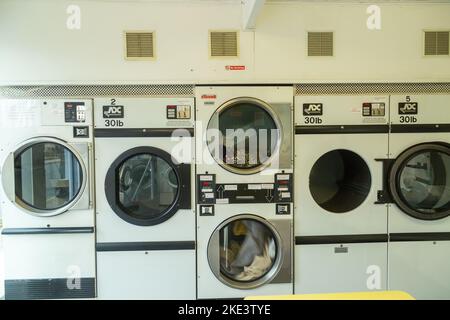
[418,185]
[244,190]
[340,228]
[244,133]
[47,198]
[145,207]
[244,250]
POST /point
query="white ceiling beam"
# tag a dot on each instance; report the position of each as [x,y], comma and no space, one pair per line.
[250,12]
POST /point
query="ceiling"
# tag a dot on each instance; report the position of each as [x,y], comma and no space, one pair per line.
[285,1]
[334,1]
[360,1]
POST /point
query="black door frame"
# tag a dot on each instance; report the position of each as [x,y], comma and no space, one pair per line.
[182,199]
[397,167]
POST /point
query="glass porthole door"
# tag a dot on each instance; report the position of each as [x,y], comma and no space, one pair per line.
[245,252]
[420,181]
[145,187]
[243,135]
[46,176]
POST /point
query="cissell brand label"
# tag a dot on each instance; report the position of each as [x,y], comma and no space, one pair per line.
[209,96]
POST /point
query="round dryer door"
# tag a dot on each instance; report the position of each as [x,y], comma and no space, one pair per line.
[244,135]
[245,252]
[144,187]
[49,176]
[420,181]
[340,181]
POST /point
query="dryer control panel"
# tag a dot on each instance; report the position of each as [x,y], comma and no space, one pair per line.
[278,191]
[206,188]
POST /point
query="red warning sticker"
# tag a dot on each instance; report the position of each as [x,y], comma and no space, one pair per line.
[235,68]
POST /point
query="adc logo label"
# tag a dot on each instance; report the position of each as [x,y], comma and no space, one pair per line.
[113,111]
[408,108]
[312,109]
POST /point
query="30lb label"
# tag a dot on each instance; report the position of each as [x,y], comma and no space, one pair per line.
[408,119]
[313,120]
[113,123]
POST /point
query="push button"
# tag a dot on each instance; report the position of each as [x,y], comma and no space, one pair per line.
[283,208]
[206,210]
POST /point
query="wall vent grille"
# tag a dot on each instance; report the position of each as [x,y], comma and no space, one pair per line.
[436,43]
[140,45]
[320,44]
[224,44]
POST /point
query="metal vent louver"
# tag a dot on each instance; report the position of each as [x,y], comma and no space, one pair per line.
[89,91]
[371,88]
[223,43]
[320,44]
[436,43]
[140,45]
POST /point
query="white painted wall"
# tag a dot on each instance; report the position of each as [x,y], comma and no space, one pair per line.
[393,53]
[36,47]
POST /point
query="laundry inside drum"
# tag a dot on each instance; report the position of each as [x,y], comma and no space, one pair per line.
[340,181]
[248,250]
[249,136]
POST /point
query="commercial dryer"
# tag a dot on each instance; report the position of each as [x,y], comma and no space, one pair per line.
[340,225]
[417,186]
[244,249]
[47,198]
[244,133]
[145,199]
[244,190]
